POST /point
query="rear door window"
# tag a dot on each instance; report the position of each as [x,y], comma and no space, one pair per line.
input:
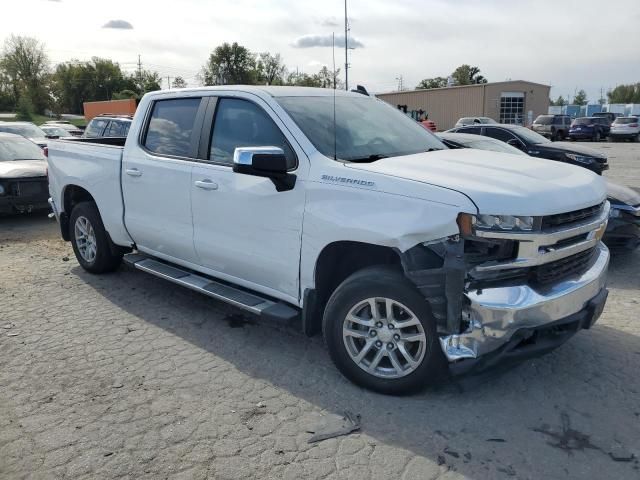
[170,129]
[241,123]
[115,129]
[472,130]
[499,134]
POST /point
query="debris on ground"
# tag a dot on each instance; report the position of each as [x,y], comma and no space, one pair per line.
[12,334]
[65,259]
[349,423]
[621,455]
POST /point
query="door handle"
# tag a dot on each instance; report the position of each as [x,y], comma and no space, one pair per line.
[134,172]
[206,184]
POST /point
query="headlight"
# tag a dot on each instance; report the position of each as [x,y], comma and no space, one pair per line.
[579,158]
[468,222]
[614,213]
[1,190]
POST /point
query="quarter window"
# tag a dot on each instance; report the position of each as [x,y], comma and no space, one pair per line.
[115,129]
[170,129]
[240,123]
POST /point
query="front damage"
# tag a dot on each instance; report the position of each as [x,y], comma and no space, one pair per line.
[486,317]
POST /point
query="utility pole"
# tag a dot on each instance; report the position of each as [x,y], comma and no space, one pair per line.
[400,85]
[346,48]
[169,83]
[139,72]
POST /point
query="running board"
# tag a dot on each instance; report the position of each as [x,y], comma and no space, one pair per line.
[250,302]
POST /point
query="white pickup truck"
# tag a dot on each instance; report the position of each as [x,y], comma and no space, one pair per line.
[335,208]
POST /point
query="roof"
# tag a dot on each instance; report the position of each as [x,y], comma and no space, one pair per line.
[273,91]
[475,85]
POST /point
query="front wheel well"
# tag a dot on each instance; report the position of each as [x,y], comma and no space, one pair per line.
[336,262]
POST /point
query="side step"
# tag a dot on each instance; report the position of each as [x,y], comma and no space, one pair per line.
[251,302]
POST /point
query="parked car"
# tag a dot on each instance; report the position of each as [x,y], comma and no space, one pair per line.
[479,142]
[536,145]
[69,127]
[589,128]
[608,115]
[27,130]
[53,130]
[23,175]
[555,127]
[108,126]
[623,232]
[473,121]
[335,207]
[625,128]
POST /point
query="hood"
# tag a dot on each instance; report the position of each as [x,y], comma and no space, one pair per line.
[23,168]
[620,194]
[498,183]
[571,148]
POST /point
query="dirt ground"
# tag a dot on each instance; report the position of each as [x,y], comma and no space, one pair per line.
[126,376]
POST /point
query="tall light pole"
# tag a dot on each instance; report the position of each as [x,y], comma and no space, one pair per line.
[346,48]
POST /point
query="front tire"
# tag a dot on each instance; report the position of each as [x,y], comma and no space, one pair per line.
[90,240]
[381,334]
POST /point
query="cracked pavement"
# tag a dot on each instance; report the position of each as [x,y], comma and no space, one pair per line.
[127,376]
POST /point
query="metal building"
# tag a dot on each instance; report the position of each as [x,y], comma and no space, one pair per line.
[515,101]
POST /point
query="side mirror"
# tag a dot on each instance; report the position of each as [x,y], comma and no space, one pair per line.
[269,162]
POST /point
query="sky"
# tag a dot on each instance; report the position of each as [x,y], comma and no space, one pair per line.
[568,44]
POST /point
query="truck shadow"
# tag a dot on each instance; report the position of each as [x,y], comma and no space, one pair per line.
[544,418]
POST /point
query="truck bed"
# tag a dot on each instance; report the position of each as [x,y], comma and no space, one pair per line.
[93,164]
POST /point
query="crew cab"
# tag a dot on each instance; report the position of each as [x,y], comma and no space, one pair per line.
[336,209]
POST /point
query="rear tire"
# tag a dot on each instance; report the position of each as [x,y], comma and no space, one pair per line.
[596,136]
[394,350]
[90,240]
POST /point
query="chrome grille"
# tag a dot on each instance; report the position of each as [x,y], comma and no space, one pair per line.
[570,218]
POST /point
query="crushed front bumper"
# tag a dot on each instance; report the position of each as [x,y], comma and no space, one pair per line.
[500,316]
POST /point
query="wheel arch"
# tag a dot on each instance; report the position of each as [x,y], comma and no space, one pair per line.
[334,264]
[71,196]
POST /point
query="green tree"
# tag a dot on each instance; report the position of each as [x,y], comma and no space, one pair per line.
[625,94]
[229,64]
[467,75]
[26,65]
[124,95]
[25,109]
[580,98]
[270,69]
[436,82]
[151,81]
[560,101]
[178,82]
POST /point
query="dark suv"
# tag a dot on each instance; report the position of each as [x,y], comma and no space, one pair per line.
[108,126]
[555,127]
[590,128]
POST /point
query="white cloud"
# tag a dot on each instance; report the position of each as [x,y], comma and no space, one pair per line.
[547,41]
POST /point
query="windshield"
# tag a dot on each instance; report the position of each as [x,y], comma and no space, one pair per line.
[529,135]
[17,148]
[57,131]
[487,120]
[484,143]
[29,131]
[366,129]
[544,120]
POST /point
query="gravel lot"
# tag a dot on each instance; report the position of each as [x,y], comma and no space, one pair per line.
[126,376]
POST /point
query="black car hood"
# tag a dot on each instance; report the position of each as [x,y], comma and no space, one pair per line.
[620,194]
[570,148]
